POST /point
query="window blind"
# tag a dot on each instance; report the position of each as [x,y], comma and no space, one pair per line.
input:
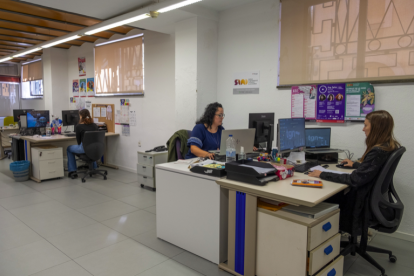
[32,71]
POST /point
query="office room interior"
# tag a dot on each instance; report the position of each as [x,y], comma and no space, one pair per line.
[192,56]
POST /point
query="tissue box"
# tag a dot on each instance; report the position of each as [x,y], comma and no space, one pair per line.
[284,171]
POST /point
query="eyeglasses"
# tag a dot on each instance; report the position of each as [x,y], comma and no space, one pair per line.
[221,115]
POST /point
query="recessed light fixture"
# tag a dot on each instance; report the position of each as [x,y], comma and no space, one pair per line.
[61,41]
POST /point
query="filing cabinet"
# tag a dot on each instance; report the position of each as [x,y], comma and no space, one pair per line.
[146,167]
[47,162]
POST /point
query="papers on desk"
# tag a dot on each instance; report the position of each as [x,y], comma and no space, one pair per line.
[312,212]
[260,170]
[322,169]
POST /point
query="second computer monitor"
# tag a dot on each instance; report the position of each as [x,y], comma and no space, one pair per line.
[264,125]
[18,112]
[291,134]
[70,117]
[318,137]
[37,118]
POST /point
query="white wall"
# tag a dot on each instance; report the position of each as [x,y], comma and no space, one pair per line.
[248,40]
[155,110]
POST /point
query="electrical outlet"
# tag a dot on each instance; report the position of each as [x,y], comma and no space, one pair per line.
[139,144]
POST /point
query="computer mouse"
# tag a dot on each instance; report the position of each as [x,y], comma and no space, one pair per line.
[340,165]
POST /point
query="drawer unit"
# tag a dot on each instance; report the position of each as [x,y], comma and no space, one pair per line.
[146,167]
[323,231]
[47,162]
[324,253]
[336,268]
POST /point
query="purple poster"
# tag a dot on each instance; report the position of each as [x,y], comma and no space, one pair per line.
[331,103]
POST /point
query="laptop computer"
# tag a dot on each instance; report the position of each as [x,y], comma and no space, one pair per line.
[318,140]
[244,138]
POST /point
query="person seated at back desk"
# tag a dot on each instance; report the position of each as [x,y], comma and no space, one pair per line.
[206,135]
[354,203]
[85,124]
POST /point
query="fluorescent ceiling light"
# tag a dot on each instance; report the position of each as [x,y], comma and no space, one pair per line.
[178,5]
[5,59]
[117,24]
[28,52]
[61,41]
[36,60]
[117,40]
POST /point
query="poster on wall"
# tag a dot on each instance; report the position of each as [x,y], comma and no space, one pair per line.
[75,88]
[82,87]
[90,87]
[81,66]
[331,103]
[246,83]
[88,106]
[304,102]
[360,100]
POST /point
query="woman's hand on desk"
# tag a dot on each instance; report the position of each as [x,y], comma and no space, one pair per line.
[209,155]
[347,163]
[315,173]
[254,149]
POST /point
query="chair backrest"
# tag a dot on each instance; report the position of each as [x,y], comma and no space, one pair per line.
[386,206]
[178,146]
[94,144]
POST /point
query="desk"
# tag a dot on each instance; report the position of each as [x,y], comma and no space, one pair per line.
[192,211]
[4,139]
[58,140]
[281,191]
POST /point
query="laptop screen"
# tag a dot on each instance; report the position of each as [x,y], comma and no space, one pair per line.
[318,137]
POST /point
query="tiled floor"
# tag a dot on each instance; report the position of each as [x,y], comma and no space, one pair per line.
[107,228]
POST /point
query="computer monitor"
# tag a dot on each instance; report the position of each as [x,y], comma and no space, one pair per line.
[290,134]
[37,118]
[18,112]
[264,125]
[70,117]
[318,137]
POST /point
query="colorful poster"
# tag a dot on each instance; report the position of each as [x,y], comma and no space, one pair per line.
[246,83]
[360,100]
[331,103]
[75,87]
[82,87]
[81,66]
[304,102]
[90,87]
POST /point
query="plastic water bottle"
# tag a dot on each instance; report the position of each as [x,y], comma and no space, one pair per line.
[242,155]
[48,129]
[230,149]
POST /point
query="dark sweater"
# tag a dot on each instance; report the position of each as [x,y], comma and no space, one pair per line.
[80,131]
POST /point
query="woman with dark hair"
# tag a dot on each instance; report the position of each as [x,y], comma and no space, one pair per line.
[206,134]
[380,142]
[85,124]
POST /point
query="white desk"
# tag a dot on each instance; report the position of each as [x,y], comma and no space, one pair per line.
[192,211]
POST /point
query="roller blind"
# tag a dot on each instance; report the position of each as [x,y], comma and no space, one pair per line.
[32,71]
[119,67]
[346,41]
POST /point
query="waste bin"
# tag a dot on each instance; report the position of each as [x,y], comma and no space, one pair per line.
[20,170]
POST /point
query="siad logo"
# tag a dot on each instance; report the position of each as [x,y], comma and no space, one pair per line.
[241,82]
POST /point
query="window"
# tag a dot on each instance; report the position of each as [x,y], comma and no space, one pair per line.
[32,80]
[346,40]
[8,98]
[119,67]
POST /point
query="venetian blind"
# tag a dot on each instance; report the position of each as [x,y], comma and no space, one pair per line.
[346,41]
[32,71]
[119,67]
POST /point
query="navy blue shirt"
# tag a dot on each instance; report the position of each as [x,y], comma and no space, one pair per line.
[204,139]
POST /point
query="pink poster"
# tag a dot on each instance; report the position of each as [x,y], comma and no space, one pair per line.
[81,66]
[304,102]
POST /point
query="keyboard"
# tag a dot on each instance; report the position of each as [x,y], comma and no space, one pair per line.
[70,134]
[220,158]
[321,150]
[305,167]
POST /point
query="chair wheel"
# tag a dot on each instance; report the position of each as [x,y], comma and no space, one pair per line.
[105,173]
[105,177]
[393,259]
[83,180]
[142,185]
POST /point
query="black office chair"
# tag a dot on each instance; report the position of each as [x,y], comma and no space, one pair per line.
[386,210]
[94,146]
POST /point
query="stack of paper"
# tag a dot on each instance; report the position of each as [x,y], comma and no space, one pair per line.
[322,169]
[312,212]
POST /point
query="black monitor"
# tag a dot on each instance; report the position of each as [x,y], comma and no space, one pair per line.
[318,137]
[37,118]
[264,125]
[18,112]
[70,117]
[291,134]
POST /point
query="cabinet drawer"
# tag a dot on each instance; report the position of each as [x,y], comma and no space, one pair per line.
[146,170]
[51,169]
[324,253]
[47,154]
[144,159]
[336,268]
[147,181]
[323,231]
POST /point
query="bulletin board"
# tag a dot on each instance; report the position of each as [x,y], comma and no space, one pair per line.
[109,121]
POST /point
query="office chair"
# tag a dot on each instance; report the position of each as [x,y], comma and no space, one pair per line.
[178,146]
[94,146]
[386,210]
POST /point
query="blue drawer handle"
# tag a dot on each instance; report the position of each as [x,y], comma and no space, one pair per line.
[332,272]
[328,250]
[327,227]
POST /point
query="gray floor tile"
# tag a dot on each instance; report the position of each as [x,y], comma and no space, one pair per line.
[362,268]
[51,184]
[14,189]
[66,269]
[23,200]
[7,219]
[349,260]
[150,239]
[170,268]
[142,200]
[17,235]
[350,274]
[126,258]
[132,224]
[39,210]
[123,176]
[107,210]
[30,259]
[152,209]
[199,264]
[111,188]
